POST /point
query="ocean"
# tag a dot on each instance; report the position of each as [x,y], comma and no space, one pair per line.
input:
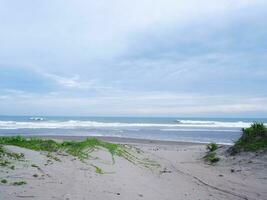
[219,130]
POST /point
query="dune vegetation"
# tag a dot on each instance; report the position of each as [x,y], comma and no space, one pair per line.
[79,149]
[253,139]
[211,156]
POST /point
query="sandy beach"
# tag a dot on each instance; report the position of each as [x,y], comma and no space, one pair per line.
[133,100]
[178,172]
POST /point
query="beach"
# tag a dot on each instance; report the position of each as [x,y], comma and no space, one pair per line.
[177,171]
[133,100]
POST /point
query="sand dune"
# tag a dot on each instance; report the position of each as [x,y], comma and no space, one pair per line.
[181,174]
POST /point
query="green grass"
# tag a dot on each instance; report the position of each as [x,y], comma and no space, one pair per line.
[253,138]
[98,170]
[12,155]
[35,166]
[79,149]
[51,156]
[5,157]
[212,147]
[4,163]
[4,181]
[17,183]
[211,158]
[31,143]
[35,175]
[74,148]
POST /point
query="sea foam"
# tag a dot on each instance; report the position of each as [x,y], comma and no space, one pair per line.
[74,124]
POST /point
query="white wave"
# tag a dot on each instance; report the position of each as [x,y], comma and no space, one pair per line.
[37,118]
[73,124]
[198,129]
[196,122]
[204,123]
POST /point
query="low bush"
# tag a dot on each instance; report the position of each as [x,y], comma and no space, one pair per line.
[212,147]
[253,138]
[211,158]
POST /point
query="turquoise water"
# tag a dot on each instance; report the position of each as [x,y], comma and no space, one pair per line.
[220,130]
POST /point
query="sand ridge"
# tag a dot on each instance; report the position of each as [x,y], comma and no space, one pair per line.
[181,174]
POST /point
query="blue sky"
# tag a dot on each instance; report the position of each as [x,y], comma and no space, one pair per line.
[133,58]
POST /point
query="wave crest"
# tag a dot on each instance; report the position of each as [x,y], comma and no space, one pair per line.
[74,124]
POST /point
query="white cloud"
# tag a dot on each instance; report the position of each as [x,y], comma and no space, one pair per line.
[151,104]
[75,33]
[133,57]
[72,82]
[75,82]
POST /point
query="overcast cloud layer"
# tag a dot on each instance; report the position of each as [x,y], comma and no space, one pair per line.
[137,58]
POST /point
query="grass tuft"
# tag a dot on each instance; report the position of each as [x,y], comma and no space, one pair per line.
[79,149]
[212,147]
[98,170]
[4,163]
[51,156]
[211,158]
[31,143]
[4,181]
[17,183]
[253,138]
[5,156]
[35,166]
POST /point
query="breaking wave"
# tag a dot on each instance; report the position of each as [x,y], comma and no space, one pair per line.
[74,124]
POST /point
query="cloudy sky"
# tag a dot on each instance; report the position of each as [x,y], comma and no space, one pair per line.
[133,58]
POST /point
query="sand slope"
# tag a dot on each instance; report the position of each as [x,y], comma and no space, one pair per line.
[182,175]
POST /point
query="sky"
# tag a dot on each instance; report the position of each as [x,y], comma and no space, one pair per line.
[133,58]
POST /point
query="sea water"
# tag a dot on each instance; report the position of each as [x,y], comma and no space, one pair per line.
[219,130]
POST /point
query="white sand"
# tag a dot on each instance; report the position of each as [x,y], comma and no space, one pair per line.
[182,175]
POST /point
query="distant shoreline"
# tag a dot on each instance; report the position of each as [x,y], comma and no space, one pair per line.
[192,130]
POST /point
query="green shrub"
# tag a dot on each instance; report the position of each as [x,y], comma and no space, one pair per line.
[212,147]
[211,158]
[32,143]
[19,183]
[253,138]
[4,181]
[80,149]
[98,170]
[35,166]
[4,163]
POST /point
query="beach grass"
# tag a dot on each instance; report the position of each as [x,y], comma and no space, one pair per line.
[35,175]
[74,148]
[3,181]
[212,147]
[211,158]
[98,170]
[79,149]
[17,183]
[31,143]
[253,139]
[6,156]
[35,166]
